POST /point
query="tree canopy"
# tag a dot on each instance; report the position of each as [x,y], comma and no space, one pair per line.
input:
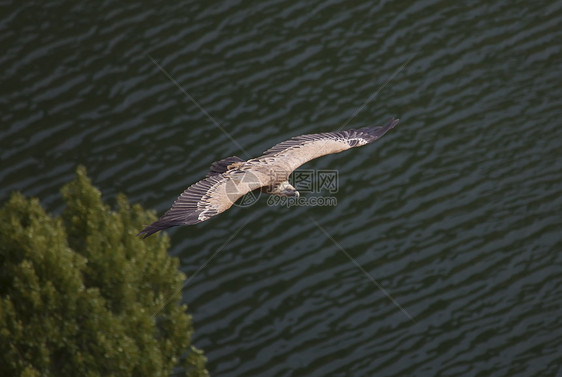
[81,295]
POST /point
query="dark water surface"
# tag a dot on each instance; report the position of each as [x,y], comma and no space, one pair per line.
[456,213]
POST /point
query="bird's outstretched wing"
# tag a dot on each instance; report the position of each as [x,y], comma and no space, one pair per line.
[301,149]
[231,178]
[207,198]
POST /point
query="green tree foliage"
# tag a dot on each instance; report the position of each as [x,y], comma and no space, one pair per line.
[80,295]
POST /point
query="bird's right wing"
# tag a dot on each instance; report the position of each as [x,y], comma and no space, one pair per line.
[207,198]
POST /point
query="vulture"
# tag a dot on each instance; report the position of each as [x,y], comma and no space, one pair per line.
[231,178]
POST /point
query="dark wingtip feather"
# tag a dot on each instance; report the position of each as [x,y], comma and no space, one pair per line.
[160,224]
[152,228]
[375,133]
[169,220]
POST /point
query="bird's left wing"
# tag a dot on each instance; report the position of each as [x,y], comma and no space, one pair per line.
[294,152]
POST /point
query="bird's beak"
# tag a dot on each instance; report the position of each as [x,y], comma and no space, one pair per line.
[294,193]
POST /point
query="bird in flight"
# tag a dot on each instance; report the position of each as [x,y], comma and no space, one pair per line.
[231,178]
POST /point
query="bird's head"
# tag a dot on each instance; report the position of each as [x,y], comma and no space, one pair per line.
[285,189]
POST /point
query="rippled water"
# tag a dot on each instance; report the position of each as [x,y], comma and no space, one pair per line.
[455,213]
